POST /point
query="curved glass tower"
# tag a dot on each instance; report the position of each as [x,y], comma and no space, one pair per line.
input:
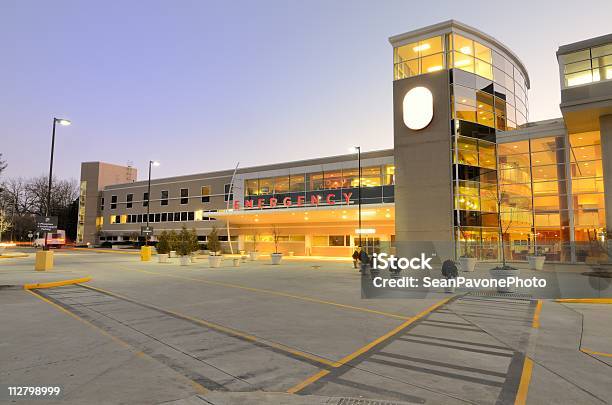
[479,89]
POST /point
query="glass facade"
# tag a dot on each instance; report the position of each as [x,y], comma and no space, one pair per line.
[376,184]
[587,66]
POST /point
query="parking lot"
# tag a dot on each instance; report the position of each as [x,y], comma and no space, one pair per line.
[145,332]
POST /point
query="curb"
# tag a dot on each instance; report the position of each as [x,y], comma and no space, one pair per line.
[52,284]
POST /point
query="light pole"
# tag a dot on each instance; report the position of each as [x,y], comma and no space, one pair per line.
[62,122]
[358,150]
[151,163]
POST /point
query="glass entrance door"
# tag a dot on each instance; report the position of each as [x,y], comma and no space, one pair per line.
[371,244]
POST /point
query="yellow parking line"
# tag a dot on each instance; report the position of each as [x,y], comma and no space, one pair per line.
[307,381]
[585,300]
[536,315]
[52,284]
[521,395]
[587,351]
[232,331]
[366,348]
[282,294]
[198,387]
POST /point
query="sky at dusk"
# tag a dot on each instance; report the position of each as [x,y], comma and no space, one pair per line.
[201,85]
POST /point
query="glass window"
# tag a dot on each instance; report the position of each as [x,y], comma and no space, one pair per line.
[228,192]
[486,155]
[184,195]
[406,52]
[296,182]
[547,173]
[251,187]
[465,112]
[576,56]
[315,181]
[430,46]
[588,201]
[482,52]
[547,144]
[484,100]
[544,158]
[370,176]
[389,175]
[113,204]
[432,63]
[164,197]
[483,69]
[281,184]
[576,79]
[583,153]
[164,217]
[512,148]
[464,95]
[463,44]
[462,61]
[183,216]
[587,169]
[515,175]
[577,66]
[336,240]
[333,180]
[145,199]
[205,192]
[467,151]
[585,138]
[266,185]
[601,51]
[129,199]
[406,69]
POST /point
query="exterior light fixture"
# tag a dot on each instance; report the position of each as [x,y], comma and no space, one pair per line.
[63,122]
[365,231]
[418,108]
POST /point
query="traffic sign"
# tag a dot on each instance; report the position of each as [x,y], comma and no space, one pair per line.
[46,224]
[146,230]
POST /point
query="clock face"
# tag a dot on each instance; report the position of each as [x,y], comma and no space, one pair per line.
[418,108]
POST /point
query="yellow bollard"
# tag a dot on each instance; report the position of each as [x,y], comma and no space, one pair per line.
[44,260]
[145,253]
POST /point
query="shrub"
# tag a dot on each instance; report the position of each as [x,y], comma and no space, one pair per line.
[213,241]
[195,245]
[173,240]
[163,246]
[449,269]
[184,245]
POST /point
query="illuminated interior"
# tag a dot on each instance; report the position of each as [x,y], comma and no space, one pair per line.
[587,66]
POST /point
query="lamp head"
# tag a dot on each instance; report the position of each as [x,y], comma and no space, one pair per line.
[155,163]
[355,149]
[63,122]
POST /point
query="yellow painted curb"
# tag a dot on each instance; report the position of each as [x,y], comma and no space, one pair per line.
[585,300]
[56,283]
[587,351]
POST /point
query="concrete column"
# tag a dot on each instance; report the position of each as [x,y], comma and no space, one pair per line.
[605,125]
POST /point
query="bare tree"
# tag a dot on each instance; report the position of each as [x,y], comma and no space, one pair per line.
[63,193]
[3,164]
[5,223]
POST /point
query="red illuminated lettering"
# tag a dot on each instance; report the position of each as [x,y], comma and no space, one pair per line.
[287,201]
[330,199]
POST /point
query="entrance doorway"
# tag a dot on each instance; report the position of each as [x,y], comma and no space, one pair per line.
[371,244]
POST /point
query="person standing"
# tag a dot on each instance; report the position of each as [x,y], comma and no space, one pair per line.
[364,259]
[356,256]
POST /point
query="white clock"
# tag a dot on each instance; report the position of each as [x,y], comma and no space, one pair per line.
[418,108]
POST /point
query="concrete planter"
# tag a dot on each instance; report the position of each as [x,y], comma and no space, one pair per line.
[536,262]
[467,263]
[192,258]
[185,260]
[215,261]
[243,258]
[253,256]
[236,262]
[172,253]
[162,257]
[499,274]
[276,258]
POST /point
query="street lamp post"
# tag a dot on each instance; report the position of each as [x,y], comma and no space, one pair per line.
[358,150]
[151,163]
[62,122]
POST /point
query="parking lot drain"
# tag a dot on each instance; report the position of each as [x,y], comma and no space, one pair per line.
[361,401]
[493,294]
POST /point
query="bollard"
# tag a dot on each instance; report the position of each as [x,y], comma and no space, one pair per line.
[145,253]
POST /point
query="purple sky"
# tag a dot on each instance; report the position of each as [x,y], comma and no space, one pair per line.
[200,85]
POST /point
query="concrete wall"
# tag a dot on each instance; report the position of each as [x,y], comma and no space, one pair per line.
[605,124]
[423,200]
